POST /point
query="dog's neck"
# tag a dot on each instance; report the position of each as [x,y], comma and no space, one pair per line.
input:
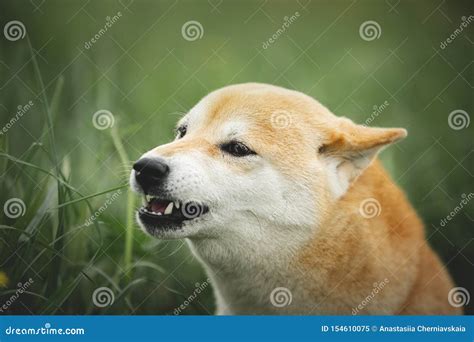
[245,272]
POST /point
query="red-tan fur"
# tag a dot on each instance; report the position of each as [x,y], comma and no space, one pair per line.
[350,253]
[344,254]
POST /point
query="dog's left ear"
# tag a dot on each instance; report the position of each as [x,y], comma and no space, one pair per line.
[350,148]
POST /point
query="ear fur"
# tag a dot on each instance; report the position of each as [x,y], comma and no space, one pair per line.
[350,148]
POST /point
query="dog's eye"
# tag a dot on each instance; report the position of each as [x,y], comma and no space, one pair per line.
[237,149]
[181,131]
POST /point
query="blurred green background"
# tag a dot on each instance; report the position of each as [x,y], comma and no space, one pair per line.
[144,71]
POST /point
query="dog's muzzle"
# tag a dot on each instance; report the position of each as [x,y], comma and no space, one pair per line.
[161,210]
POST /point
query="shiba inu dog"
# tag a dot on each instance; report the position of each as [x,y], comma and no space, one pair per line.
[288,209]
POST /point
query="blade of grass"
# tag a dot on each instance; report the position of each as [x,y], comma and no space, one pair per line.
[55,271]
[126,291]
[128,252]
[6,293]
[67,185]
[148,264]
[54,107]
[61,294]
[38,215]
[19,161]
[91,196]
[3,147]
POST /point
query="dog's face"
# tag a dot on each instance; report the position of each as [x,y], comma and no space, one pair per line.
[252,162]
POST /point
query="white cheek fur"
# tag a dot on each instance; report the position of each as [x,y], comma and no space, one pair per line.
[258,219]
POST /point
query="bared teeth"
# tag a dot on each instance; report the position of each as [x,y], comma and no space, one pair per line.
[156,206]
[169,208]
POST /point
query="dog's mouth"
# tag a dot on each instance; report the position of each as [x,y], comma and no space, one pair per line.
[159,213]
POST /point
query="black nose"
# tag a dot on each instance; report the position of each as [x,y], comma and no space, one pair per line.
[150,172]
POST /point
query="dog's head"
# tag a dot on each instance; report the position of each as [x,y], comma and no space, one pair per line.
[253,161]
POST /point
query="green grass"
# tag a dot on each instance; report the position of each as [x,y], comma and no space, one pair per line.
[147,75]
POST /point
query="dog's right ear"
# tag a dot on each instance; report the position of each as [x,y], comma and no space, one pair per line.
[349,149]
